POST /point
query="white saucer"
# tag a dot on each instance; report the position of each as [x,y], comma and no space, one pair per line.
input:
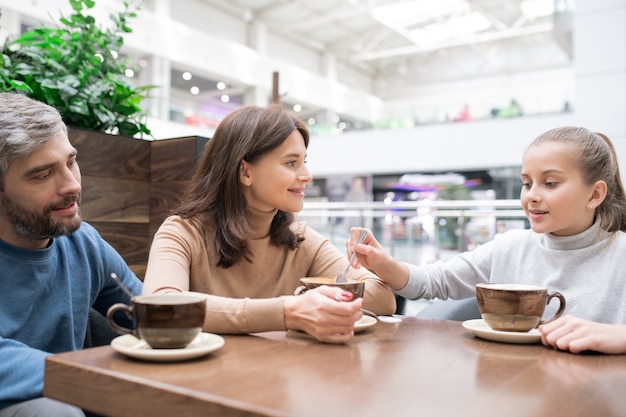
[482,330]
[363,323]
[203,344]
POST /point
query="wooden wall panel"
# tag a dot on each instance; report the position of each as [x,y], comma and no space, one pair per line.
[164,196]
[175,159]
[129,186]
[115,200]
[103,155]
[129,239]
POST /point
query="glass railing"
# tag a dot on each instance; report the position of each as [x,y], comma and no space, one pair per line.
[417,231]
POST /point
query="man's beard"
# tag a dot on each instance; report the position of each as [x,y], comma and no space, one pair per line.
[40,226]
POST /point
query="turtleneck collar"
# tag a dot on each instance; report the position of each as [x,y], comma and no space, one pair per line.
[260,222]
[589,237]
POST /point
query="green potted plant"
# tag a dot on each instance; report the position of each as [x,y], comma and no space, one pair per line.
[76,68]
[128,183]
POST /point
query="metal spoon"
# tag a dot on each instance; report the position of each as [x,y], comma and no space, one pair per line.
[341,278]
[119,282]
[369,313]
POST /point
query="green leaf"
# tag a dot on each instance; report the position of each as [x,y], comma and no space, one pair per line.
[70,67]
[79,106]
[20,85]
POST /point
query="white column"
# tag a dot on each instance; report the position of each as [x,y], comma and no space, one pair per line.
[600,66]
[10,23]
[330,67]
[159,71]
[256,95]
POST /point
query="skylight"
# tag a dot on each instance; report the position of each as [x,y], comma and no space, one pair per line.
[533,9]
[427,22]
[454,27]
[407,14]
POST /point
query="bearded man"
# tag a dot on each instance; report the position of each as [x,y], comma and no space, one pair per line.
[53,266]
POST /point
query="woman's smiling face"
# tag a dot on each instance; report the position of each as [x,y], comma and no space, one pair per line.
[554,196]
[277,179]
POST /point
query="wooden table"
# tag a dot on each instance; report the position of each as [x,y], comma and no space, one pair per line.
[416,367]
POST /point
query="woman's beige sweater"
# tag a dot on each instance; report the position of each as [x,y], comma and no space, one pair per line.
[246,297]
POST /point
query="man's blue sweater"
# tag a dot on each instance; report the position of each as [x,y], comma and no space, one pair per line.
[45,296]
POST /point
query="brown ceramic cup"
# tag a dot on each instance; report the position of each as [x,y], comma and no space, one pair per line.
[515,307]
[357,288]
[163,321]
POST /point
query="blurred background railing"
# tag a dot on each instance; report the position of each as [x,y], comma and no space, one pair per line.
[418,231]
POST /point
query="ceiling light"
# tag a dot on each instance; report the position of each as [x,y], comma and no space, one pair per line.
[533,9]
[221,85]
[186,76]
[129,72]
[225,98]
[194,90]
[297,108]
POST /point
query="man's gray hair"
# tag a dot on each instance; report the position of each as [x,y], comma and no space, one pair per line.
[25,125]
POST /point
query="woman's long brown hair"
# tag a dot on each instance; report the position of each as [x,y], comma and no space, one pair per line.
[214,196]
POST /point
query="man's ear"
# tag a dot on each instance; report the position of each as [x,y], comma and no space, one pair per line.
[245,176]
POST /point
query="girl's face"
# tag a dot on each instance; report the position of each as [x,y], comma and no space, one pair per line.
[277,179]
[554,196]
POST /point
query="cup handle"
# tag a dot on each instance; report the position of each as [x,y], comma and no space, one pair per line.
[300,290]
[562,305]
[127,310]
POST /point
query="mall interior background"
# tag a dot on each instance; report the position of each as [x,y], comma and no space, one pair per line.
[405,100]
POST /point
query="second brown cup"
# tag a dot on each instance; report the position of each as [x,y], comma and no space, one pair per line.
[515,307]
[357,288]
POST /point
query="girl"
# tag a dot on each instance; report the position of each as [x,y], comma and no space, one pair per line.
[233,237]
[573,197]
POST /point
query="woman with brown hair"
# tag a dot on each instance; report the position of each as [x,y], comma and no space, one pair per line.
[234,238]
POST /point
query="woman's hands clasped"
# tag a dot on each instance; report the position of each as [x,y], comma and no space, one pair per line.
[326,313]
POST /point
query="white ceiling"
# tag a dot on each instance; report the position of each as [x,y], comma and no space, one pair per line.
[508,40]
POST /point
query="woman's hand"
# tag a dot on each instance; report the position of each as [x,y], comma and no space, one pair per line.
[373,256]
[325,313]
[576,335]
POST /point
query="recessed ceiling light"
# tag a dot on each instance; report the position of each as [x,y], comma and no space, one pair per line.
[194,90]
[225,98]
[186,75]
[297,108]
[221,85]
